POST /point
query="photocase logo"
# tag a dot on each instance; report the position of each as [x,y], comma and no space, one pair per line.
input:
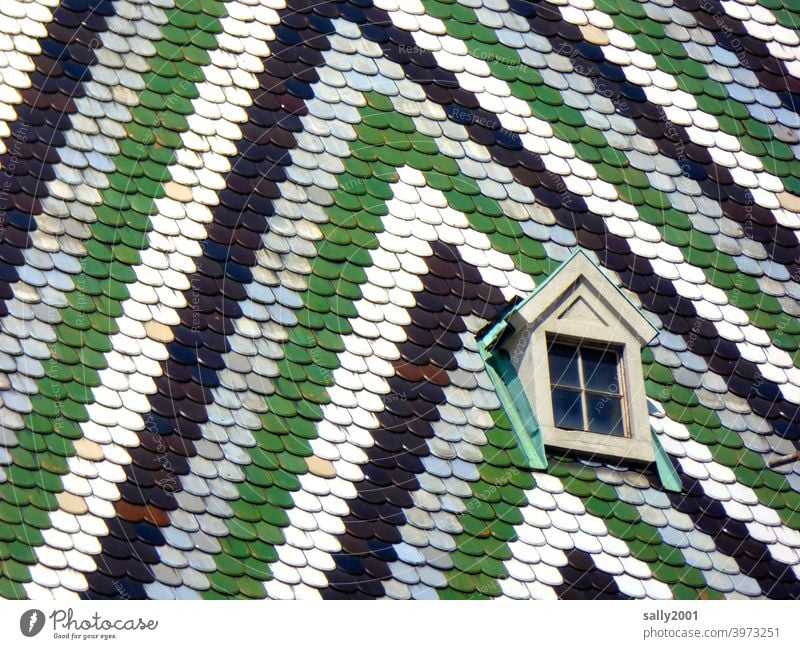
[31,622]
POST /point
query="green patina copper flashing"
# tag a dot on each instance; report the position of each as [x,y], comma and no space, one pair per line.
[517,408]
[669,477]
[512,396]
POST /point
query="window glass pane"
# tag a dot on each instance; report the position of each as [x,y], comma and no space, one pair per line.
[604,413]
[564,365]
[567,409]
[600,369]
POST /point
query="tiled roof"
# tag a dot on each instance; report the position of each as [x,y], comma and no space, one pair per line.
[247,246]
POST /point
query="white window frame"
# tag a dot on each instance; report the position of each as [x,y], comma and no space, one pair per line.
[581,304]
[584,389]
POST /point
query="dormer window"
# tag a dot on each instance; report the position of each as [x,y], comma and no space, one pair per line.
[586,389]
[566,362]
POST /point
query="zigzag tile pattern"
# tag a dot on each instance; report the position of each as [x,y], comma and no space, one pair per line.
[246,247]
